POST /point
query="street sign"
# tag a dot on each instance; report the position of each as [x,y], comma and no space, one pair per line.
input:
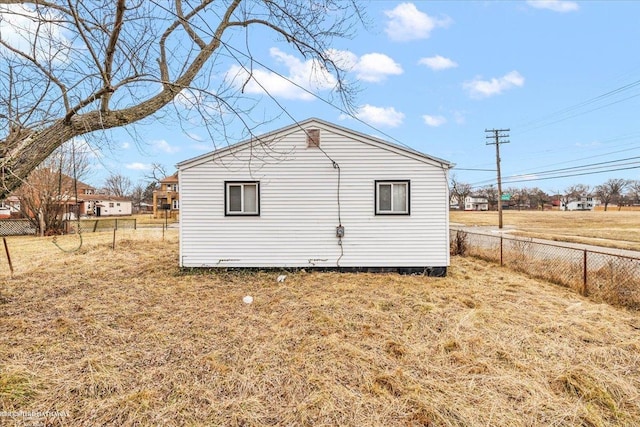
[505,197]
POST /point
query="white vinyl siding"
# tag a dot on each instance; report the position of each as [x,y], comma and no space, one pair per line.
[298,205]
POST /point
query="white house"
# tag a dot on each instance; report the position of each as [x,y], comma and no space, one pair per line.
[583,203]
[104,205]
[315,195]
[476,203]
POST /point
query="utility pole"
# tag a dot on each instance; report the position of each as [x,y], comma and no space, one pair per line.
[498,135]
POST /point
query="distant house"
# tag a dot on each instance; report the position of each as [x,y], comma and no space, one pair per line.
[476,203]
[104,205]
[315,195]
[90,203]
[166,198]
[79,198]
[9,207]
[583,203]
[145,208]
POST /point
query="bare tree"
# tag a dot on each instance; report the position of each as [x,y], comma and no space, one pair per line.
[538,198]
[490,193]
[137,196]
[147,195]
[118,185]
[610,191]
[516,196]
[634,192]
[459,190]
[50,194]
[77,67]
[157,173]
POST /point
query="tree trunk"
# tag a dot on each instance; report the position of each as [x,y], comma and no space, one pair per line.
[41,223]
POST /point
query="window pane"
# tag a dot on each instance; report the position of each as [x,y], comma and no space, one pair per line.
[400,197]
[384,197]
[235,198]
[250,198]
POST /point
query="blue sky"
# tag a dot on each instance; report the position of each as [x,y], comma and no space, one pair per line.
[563,76]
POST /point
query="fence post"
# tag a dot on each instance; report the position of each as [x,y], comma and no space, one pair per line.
[116,223]
[501,263]
[135,223]
[584,274]
[6,249]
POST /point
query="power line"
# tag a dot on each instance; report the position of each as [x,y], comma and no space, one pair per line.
[579,114]
[528,126]
[576,174]
[580,171]
[585,167]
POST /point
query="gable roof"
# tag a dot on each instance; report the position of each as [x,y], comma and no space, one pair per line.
[367,139]
[169,179]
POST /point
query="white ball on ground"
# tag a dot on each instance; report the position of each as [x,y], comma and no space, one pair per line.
[247,299]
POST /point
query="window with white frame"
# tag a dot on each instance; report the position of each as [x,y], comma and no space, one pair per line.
[392,197]
[176,204]
[242,198]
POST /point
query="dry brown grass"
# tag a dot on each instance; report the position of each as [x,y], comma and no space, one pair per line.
[124,338]
[616,229]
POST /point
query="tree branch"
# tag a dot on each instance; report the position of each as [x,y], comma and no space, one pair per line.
[111,49]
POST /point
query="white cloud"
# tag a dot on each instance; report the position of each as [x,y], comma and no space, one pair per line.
[309,75]
[343,58]
[554,5]
[434,121]
[374,67]
[479,88]
[438,63]
[406,23]
[125,145]
[164,146]
[382,116]
[137,166]
[371,67]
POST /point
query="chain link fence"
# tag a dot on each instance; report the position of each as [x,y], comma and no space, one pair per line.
[21,254]
[604,277]
[25,227]
[97,225]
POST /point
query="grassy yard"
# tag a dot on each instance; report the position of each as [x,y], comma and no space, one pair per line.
[617,229]
[123,337]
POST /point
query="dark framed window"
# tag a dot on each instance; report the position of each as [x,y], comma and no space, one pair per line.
[393,197]
[242,198]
